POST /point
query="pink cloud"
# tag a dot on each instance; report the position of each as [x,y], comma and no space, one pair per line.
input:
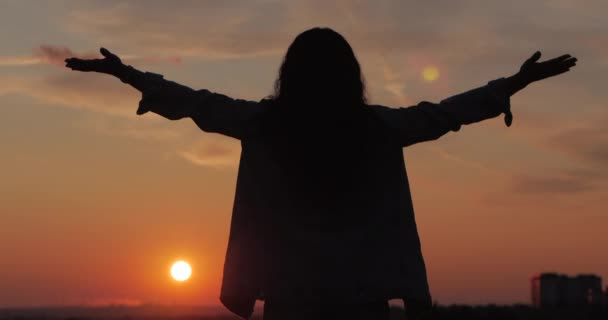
[56,55]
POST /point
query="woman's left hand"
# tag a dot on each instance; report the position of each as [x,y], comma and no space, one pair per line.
[110,64]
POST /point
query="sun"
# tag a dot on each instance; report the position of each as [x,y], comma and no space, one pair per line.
[181,271]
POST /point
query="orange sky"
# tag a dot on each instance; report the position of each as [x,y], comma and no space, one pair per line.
[96,202]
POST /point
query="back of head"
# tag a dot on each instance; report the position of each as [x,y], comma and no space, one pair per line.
[320,68]
[319,133]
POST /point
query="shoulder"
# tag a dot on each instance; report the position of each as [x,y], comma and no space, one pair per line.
[381,113]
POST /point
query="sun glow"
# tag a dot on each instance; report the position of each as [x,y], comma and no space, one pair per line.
[181,271]
[430,73]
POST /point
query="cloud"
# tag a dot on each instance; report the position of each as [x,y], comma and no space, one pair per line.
[587,143]
[477,165]
[113,106]
[98,93]
[46,54]
[19,61]
[133,128]
[576,151]
[213,151]
[220,29]
[394,84]
[188,28]
[552,183]
[466,40]
[56,55]
[470,43]
[581,136]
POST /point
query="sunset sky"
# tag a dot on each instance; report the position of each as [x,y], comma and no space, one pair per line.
[97,202]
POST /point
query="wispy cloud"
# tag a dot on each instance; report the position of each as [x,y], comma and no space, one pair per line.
[141,129]
[576,152]
[216,151]
[19,61]
[394,84]
[188,29]
[585,143]
[98,93]
[55,55]
[468,162]
[551,183]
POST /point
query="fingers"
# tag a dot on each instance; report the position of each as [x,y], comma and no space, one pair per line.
[533,58]
[106,53]
[559,68]
[75,63]
[71,60]
[557,65]
[556,72]
[530,62]
[570,62]
[83,65]
[109,55]
[560,58]
[106,65]
[535,71]
[565,61]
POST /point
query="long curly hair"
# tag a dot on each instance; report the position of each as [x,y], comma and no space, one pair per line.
[320,67]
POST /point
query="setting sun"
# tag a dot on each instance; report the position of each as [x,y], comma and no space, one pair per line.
[181,271]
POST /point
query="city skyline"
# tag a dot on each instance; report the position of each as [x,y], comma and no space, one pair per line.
[554,290]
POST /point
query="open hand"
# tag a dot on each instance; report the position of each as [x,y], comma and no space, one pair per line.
[110,64]
[532,70]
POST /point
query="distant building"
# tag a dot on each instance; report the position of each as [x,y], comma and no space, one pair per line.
[558,290]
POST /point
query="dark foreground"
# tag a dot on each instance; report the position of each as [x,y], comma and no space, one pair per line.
[517,312]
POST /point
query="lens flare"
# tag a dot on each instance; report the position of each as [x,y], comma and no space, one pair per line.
[430,73]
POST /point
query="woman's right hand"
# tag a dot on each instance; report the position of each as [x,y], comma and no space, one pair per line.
[110,64]
[532,70]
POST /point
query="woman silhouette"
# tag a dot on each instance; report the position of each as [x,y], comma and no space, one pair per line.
[323,225]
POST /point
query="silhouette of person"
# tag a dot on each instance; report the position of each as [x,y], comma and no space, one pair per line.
[323,224]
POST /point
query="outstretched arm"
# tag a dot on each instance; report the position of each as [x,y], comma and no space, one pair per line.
[210,111]
[429,121]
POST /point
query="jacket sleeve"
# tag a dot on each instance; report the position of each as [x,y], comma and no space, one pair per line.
[429,121]
[212,112]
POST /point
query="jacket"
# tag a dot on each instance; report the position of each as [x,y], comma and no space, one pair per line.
[322,208]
